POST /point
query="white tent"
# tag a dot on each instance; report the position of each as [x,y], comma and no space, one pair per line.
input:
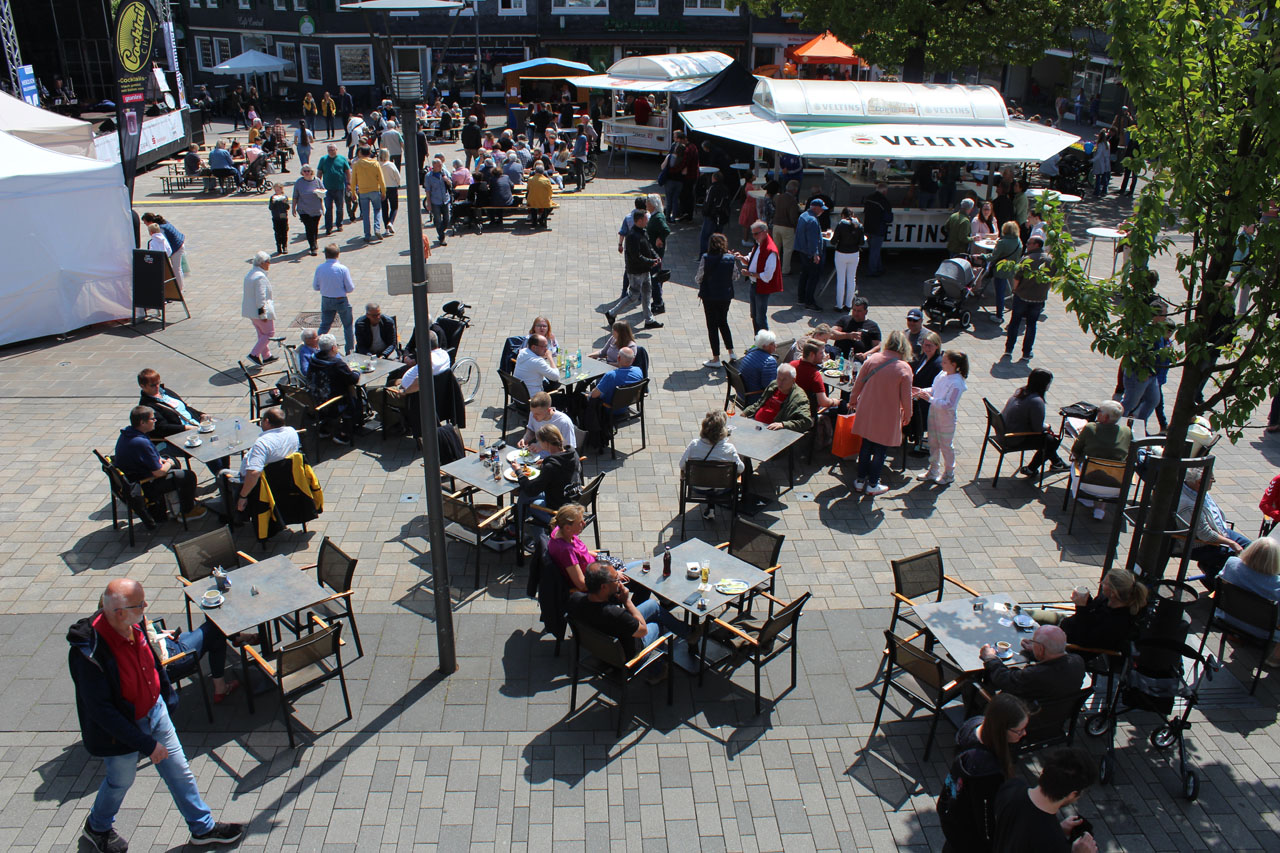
[672,72]
[253,62]
[909,121]
[67,244]
[44,128]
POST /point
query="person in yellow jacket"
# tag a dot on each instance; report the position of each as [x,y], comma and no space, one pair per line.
[538,196]
[309,109]
[328,109]
[368,185]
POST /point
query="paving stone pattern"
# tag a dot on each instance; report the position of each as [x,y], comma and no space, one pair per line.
[485,759]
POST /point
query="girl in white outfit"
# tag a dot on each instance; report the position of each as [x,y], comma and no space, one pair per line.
[944,399]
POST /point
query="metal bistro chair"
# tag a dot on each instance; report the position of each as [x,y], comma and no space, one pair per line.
[303,666]
[1053,722]
[713,482]
[261,396]
[1248,608]
[515,394]
[334,570]
[925,679]
[1078,485]
[185,665]
[758,546]
[916,577]
[999,438]
[135,501]
[608,661]
[624,397]
[736,386]
[474,523]
[198,556]
[759,645]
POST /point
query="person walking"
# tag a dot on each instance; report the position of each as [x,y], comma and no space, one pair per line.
[328,109]
[391,198]
[122,693]
[1030,292]
[882,397]
[308,205]
[302,139]
[943,398]
[278,204]
[715,288]
[438,198]
[641,261]
[786,215]
[335,174]
[333,281]
[847,240]
[258,308]
[1101,165]
[368,186]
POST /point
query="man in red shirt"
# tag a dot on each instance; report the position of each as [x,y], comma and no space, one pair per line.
[121,693]
[808,374]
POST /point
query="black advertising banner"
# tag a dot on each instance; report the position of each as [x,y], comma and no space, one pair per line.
[133,43]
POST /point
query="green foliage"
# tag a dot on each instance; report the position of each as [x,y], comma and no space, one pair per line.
[953,34]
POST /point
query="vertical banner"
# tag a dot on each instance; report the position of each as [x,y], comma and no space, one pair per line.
[27,85]
[132,48]
[171,53]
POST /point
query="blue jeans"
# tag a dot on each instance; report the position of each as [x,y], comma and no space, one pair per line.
[874,266]
[807,287]
[341,306]
[1141,396]
[1102,183]
[673,188]
[440,216]
[759,310]
[206,638]
[332,202]
[174,770]
[371,213]
[870,462]
[1002,288]
[1022,310]
[659,621]
[304,154]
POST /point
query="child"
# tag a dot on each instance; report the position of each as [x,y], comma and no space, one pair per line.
[943,399]
[279,207]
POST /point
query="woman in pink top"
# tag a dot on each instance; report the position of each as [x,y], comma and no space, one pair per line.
[882,398]
[566,550]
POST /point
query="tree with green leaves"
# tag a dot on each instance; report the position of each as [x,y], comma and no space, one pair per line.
[946,35]
[1204,78]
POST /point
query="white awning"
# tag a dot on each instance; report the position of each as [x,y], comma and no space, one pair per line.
[672,72]
[1017,141]
[637,84]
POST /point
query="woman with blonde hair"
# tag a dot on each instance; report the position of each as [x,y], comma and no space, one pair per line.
[1257,569]
[882,397]
[711,444]
[1102,621]
[566,550]
[542,326]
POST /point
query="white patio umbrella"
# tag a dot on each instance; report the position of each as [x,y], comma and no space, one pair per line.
[253,62]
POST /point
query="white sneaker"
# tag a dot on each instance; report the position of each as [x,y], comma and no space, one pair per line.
[927,475]
[732,357]
[859,485]
[877,489]
[711,362]
[946,479]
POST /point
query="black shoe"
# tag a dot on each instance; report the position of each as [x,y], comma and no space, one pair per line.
[1026,356]
[222,833]
[1028,471]
[105,842]
[344,440]
[255,359]
[610,317]
[659,308]
[270,359]
[1056,465]
[1008,354]
[651,324]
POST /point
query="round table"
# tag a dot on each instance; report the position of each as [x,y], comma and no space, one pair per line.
[987,243]
[1065,198]
[1111,235]
[758,194]
[741,167]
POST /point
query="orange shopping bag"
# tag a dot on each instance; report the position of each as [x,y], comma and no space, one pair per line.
[844,443]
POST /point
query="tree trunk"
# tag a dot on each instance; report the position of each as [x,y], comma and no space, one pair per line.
[913,63]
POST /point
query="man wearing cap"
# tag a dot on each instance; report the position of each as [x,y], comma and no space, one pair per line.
[915,331]
[960,228]
[809,249]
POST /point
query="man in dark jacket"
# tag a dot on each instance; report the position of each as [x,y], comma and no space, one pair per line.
[1055,674]
[375,333]
[346,106]
[715,211]
[1030,291]
[876,216]
[121,695]
[472,139]
[641,260]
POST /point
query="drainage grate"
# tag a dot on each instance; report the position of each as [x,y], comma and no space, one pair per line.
[306,320]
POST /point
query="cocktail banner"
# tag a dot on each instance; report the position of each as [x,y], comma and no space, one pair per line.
[133,44]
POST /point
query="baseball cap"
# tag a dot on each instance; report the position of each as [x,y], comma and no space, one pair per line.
[915,314]
[817,202]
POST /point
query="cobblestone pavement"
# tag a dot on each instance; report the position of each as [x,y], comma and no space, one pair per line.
[486,759]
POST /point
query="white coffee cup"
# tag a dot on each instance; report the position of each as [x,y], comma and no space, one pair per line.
[212,596]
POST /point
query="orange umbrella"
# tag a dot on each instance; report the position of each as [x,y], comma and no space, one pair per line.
[825,49]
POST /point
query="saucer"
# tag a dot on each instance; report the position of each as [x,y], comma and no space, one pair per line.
[208,429]
[193,442]
[216,603]
[1004,655]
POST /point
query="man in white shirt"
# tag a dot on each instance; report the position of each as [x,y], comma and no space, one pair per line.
[276,443]
[542,413]
[533,365]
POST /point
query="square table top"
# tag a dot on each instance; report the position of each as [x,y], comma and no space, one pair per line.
[472,471]
[219,443]
[677,587]
[755,442]
[282,588]
[962,631]
[381,367]
[592,369]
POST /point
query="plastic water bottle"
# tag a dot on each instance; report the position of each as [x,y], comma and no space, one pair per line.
[579,358]
[482,447]
[239,427]
[842,364]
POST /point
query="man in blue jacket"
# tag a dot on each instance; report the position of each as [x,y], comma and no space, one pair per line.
[121,695]
[809,250]
[759,365]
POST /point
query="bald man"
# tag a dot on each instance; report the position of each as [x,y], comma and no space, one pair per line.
[1054,673]
[121,695]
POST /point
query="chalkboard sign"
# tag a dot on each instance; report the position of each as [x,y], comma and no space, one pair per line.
[148,279]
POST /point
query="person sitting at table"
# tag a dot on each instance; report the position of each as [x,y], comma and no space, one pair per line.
[535,366]
[1105,438]
[620,338]
[542,326]
[461,175]
[500,193]
[513,168]
[711,444]
[1215,540]
[558,471]
[542,413]
[809,374]
[1024,412]
[538,196]
[173,415]
[820,333]
[191,162]
[396,399]
[759,364]
[1026,818]
[566,550]
[222,163]
[1102,621]
[626,373]
[607,607]
[375,332]
[855,335]
[206,639]
[984,224]
[277,442]
[984,762]
[783,404]
[1054,673]
[138,458]
[307,350]
[1257,569]
[331,376]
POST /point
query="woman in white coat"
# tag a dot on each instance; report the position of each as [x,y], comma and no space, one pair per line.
[259,308]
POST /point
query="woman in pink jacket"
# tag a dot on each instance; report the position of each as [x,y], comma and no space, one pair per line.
[882,399]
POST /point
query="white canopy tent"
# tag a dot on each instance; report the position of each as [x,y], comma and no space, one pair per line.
[253,62]
[865,120]
[44,128]
[68,243]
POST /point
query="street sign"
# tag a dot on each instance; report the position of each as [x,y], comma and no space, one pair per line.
[400,279]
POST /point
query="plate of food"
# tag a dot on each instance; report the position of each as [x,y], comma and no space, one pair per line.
[832,373]
[732,586]
[831,364]
[193,442]
[520,454]
[529,472]
[1022,620]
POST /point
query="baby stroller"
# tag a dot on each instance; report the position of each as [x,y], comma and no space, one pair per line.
[948,293]
[254,179]
[1152,678]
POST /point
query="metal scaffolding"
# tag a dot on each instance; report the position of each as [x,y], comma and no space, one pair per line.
[12,56]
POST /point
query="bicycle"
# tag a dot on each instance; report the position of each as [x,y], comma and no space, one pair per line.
[454,321]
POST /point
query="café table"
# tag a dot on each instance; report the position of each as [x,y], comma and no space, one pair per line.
[218,443]
[837,383]
[987,243]
[1065,198]
[282,588]
[684,592]
[963,631]
[473,471]
[1107,235]
[379,367]
[755,443]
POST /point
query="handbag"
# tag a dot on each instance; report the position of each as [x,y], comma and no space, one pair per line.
[662,176]
[844,443]
[1083,410]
